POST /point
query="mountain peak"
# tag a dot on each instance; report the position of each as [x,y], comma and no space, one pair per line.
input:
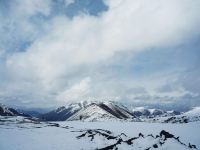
[89,110]
[8,111]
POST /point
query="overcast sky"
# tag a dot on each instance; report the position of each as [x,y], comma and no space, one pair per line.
[146,52]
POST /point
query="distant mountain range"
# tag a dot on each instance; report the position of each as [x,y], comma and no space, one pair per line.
[7,111]
[151,113]
[103,111]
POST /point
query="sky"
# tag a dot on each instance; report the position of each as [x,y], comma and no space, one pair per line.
[134,51]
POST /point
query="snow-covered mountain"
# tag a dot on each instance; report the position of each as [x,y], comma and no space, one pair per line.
[90,111]
[192,115]
[64,112]
[101,111]
[151,113]
[108,110]
[193,112]
[7,111]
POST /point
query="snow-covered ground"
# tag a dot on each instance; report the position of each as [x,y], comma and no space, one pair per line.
[18,133]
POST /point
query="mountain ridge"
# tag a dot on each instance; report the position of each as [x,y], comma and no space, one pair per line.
[8,111]
[112,109]
[108,110]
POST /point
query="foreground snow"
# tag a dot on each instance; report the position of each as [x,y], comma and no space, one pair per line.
[18,133]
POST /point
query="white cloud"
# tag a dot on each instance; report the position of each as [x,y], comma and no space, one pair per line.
[32,7]
[78,91]
[70,47]
[68,2]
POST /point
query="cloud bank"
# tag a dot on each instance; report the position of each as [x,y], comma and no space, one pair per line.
[49,57]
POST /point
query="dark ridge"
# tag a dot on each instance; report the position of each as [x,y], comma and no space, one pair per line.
[60,114]
[116,112]
[7,111]
[164,135]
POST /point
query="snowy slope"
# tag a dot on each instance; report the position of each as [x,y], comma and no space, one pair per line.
[92,113]
[20,133]
[194,112]
[101,111]
[163,140]
[7,111]
[64,112]
[192,115]
[117,110]
[95,110]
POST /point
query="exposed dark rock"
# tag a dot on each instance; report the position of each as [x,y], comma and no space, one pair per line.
[155,146]
[151,135]
[130,141]
[92,133]
[157,136]
[54,125]
[95,133]
[161,143]
[166,134]
[192,146]
[141,135]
